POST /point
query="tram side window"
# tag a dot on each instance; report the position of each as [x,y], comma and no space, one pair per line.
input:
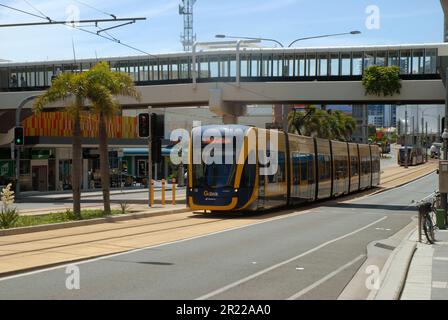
[354,165]
[310,169]
[324,167]
[303,169]
[295,167]
[341,168]
[279,176]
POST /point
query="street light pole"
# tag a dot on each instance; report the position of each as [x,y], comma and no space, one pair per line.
[283,106]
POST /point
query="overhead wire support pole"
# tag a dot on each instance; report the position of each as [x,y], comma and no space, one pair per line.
[53,22]
[114,27]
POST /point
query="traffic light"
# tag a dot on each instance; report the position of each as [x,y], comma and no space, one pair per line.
[19,138]
[156,150]
[157,126]
[157,133]
[143,125]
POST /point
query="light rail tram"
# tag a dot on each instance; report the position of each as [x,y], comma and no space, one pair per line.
[309,169]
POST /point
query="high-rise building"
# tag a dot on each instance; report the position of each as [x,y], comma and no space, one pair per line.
[383,116]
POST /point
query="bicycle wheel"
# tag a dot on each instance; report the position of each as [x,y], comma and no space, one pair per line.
[428,228]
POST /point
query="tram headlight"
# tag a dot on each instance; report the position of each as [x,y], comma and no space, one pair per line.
[236,190]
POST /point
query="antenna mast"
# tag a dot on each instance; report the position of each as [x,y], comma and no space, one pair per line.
[188,37]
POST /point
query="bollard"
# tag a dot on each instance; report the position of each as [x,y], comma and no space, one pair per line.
[173,191]
[151,193]
[163,192]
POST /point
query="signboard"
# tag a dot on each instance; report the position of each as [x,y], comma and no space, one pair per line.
[6,169]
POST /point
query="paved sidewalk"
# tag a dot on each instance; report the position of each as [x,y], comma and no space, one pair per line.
[428,273]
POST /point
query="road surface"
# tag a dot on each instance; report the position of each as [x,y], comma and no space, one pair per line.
[311,255]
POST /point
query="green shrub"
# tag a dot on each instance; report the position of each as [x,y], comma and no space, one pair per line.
[8,215]
[382,81]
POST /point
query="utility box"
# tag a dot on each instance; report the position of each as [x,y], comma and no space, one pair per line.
[443,176]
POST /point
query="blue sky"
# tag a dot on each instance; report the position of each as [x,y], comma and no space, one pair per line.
[401,21]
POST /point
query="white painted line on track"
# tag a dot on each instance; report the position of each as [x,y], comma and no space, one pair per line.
[324,279]
[255,275]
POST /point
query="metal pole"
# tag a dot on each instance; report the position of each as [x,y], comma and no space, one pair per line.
[150,160]
[17,171]
[444,196]
[426,141]
[406,138]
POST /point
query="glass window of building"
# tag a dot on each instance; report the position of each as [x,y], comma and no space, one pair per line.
[394,58]
[345,64]
[203,71]
[184,69]
[174,72]
[223,66]
[244,66]
[144,71]
[289,66]
[322,68]
[405,61]
[154,73]
[357,67]
[255,65]
[431,61]
[334,64]
[369,59]
[266,66]
[214,67]
[301,65]
[277,67]
[418,61]
[381,58]
[232,66]
[311,64]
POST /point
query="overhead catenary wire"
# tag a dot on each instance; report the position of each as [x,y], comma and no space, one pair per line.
[23,11]
[96,9]
[37,10]
[113,39]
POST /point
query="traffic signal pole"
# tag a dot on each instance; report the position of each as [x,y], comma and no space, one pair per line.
[151,189]
[17,158]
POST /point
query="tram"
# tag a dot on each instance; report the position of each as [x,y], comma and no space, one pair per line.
[416,156]
[308,169]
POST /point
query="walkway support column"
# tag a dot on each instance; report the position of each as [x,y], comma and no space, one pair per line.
[230,111]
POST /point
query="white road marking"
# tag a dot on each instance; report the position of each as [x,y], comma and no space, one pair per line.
[327,277]
[253,276]
[440,284]
[441,258]
[63,266]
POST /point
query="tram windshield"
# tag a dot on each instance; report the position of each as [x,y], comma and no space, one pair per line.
[215,175]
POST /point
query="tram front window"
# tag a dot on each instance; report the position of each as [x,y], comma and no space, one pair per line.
[214,175]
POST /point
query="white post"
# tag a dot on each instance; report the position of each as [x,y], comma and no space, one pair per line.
[238,63]
[193,65]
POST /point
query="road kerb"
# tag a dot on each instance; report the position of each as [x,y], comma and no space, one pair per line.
[393,276]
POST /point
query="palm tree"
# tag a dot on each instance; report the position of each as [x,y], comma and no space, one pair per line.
[69,88]
[102,86]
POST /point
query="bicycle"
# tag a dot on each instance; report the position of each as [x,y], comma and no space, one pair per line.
[427,210]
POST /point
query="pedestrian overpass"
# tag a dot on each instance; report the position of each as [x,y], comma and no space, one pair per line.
[229,79]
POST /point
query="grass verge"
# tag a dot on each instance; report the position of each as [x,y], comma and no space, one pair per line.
[59,217]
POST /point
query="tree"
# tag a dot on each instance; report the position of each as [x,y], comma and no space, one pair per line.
[98,86]
[102,86]
[69,88]
[331,124]
[382,81]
